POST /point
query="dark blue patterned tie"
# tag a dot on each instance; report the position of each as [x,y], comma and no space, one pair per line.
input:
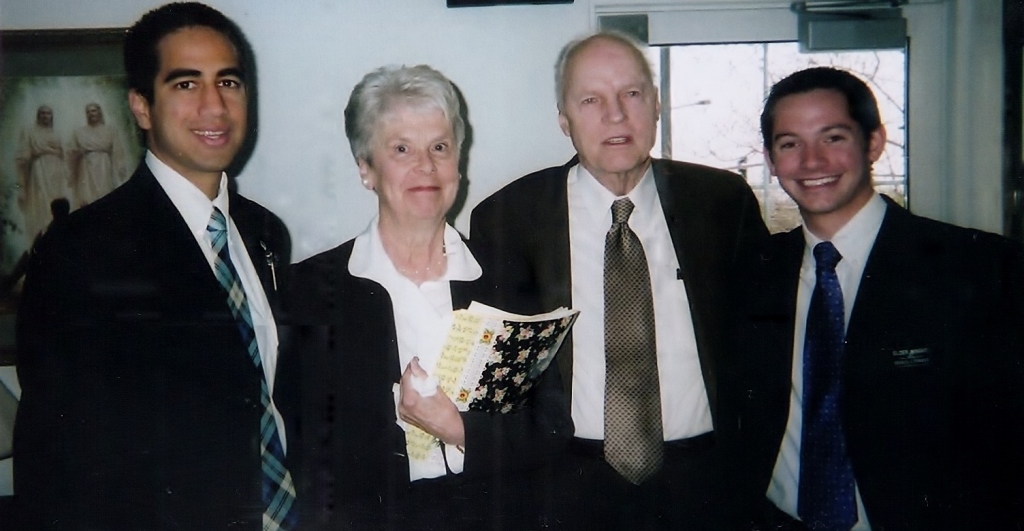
[277,490]
[826,492]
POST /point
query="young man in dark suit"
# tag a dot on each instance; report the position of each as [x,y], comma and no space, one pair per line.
[641,371]
[146,342]
[882,384]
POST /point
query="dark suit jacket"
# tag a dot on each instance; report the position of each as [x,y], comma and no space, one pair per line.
[932,407]
[140,405]
[342,363]
[716,229]
[713,218]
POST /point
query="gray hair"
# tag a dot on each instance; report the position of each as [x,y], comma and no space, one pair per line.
[575,46]
[384,88]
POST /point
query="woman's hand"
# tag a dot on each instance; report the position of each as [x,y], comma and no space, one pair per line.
[436,415]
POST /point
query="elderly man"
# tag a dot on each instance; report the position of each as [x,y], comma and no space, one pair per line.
[883,386]
[146,343]
[646,249]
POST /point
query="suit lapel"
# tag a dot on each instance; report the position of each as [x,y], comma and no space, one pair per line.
[684,226]
[462,294]
[172,249]
[252,227]
[688,225]
[879,273]
[176,282]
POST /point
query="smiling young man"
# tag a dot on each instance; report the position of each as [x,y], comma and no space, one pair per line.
[882,386]
[689,229]
[146,344]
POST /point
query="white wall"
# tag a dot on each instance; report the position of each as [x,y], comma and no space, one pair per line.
[311,53]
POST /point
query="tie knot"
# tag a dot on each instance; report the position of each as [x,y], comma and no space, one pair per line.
[826,256]
[217,222]
[621,209]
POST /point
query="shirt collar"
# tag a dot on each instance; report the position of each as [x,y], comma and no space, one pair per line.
[644,195]
[855,239]
[193,205]
[370,261]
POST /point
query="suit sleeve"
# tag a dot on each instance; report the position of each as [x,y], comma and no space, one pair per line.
[526,439]
[58,474]
[37,477]
[995,380]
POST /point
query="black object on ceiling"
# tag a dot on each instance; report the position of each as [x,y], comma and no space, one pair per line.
[478,3]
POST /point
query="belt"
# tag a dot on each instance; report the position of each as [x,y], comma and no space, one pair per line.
[594,448]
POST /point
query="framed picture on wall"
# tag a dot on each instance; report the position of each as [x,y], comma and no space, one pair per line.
[67,137]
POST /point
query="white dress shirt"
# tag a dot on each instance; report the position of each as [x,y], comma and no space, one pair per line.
[684,402]
[423,316]
[195,208]
[854,242]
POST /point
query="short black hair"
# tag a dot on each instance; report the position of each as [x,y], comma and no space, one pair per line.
[60,208]
[860,101]
[141,60]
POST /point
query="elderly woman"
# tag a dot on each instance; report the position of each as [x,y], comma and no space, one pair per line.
[370,318]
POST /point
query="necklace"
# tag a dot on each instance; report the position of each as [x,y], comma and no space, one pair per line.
[432,269]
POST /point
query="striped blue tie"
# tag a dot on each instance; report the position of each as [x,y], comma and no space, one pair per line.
[277,489]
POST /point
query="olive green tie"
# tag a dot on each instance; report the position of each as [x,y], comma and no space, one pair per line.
[632,403]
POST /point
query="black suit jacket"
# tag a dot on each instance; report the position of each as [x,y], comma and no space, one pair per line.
[713,219]
[932,405]
[140,405]
[336,387]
